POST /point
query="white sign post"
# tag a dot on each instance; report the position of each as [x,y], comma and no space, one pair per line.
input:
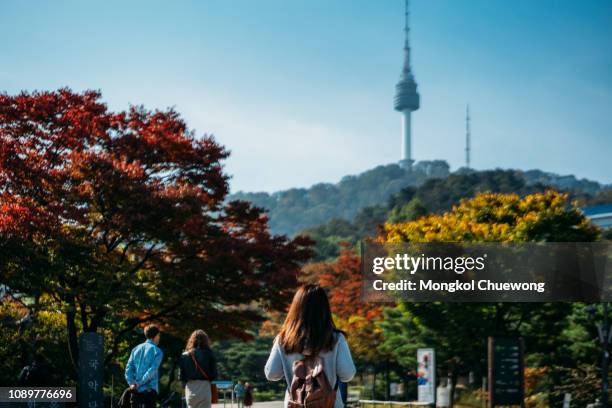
[393,389]
[426,375]
[567,399]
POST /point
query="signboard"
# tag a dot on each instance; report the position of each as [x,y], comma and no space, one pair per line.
[426,375]
[396,389]
[33,404]
[506,371]
[91,370]
[443,397]
[393,389]
[223,384]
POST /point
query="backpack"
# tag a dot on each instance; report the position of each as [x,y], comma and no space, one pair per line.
[310,387]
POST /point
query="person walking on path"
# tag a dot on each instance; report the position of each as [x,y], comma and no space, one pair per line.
[142,370]
[197,370]
[248,395]
[34,374]
[239,393]
[309,331]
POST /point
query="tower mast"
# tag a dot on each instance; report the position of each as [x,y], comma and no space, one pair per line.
[407,98]
[468,137]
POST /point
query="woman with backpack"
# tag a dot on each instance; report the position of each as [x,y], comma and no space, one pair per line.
[198,370]
[310,353]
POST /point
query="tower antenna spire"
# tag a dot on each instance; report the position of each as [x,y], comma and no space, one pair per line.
[468,137]
[407,68]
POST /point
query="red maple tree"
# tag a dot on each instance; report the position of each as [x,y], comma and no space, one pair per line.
[120,218]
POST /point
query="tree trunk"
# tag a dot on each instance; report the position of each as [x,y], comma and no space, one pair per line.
[171,375]
[97,318]
[374,384]
[387,384]
[453,381]
[73,341]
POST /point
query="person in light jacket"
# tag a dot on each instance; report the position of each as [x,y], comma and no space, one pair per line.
[310,330]
[142,370]
[239,393]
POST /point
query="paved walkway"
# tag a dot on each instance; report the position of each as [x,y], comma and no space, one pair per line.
[267,404]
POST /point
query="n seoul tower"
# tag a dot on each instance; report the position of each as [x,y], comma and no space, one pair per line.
[406,99]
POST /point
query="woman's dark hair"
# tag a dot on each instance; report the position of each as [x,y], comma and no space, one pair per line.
[197,340]
[308,327]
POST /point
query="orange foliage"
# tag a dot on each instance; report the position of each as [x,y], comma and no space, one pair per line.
[533,377]
[342,278]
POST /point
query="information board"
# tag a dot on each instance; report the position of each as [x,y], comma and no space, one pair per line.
[506,371]
[224,384]
[426,375]
[91,370]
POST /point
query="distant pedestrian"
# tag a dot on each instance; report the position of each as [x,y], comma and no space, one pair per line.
[239,394]
[197,370]
[142,370]
[34,374]
[310,347]
[248,395]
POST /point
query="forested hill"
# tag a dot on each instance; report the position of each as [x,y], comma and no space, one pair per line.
[296,209]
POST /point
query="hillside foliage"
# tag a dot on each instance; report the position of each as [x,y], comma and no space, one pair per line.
[291,211]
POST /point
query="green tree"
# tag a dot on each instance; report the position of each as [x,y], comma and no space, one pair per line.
[240,360]
[408,212]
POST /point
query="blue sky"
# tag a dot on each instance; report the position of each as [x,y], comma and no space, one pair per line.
[301,91]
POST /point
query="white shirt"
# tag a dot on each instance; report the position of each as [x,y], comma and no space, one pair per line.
[338,365]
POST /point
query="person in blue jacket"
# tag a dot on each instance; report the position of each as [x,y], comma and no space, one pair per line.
[142,369]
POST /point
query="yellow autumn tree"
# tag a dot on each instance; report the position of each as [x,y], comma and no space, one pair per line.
[492,217]
[458,331]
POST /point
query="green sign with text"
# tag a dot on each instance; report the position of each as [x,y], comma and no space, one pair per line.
[506,371]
